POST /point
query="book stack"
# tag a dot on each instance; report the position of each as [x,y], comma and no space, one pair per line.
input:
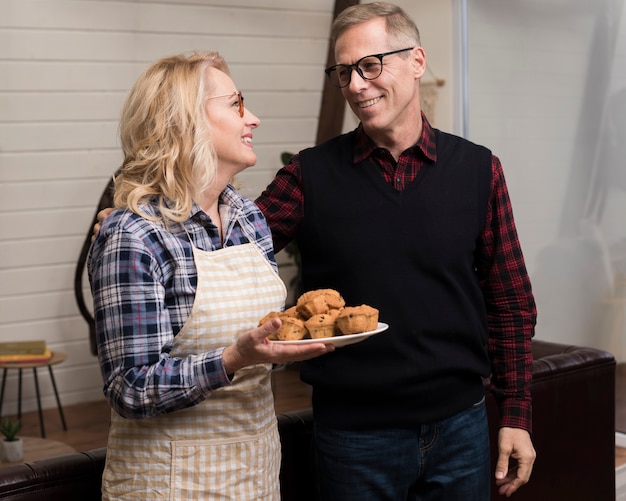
[24,351]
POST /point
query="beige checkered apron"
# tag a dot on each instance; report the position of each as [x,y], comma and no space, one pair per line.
[227,447]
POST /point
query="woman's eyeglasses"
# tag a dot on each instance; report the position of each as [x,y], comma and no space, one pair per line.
[239,101]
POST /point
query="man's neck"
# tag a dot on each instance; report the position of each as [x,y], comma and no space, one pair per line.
[397,139]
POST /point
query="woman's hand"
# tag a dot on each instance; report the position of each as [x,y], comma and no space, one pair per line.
[101,216]
[253,347]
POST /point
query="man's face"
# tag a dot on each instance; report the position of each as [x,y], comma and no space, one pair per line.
[391,100]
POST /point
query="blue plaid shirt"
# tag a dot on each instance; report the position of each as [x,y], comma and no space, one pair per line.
[143,279]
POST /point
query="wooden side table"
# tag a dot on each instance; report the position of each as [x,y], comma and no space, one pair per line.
[57,358]
[41,448]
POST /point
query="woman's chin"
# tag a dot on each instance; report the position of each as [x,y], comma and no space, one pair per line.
[251,161]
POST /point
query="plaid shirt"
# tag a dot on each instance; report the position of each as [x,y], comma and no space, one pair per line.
[143,279]
[511,311]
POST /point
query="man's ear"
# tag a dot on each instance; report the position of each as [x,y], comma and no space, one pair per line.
[419,61]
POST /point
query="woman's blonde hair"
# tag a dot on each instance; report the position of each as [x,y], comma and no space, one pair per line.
[401,29]
[166,137]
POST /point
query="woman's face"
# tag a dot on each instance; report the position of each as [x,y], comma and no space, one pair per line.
[231,132]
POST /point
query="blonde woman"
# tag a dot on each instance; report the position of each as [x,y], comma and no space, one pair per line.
[181,273]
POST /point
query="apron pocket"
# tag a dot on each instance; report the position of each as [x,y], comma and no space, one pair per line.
[236,469]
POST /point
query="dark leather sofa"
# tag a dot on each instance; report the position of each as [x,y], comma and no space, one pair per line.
[574,435]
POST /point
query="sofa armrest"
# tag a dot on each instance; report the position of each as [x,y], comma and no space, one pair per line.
[70,477]
[555,358]
[573,392]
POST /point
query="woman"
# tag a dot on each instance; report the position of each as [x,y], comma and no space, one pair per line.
[181,273]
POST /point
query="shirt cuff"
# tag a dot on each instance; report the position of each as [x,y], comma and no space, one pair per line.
[212,374]
[516,414]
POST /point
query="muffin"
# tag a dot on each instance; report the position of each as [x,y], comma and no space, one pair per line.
[318,302]
[357,319]
[290,312]
[320,326]
[313,306]
[269,316]
[293,329]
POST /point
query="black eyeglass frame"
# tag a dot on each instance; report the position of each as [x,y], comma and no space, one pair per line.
[239,101]
[356,67]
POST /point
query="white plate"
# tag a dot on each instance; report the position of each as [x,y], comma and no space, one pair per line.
[340,340]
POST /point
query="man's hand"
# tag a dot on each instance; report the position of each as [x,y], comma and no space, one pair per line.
[101,216]
[516,456]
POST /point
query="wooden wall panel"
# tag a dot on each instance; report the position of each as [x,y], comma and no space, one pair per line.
[146,47]
[49,223]
[16,308]
[167,17]
[52,136]
[35,279]
[69,330]
[57,165]
[24,75]
[38,252]
[49,194]
[70,105]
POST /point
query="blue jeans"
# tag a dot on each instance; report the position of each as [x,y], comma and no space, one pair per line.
[444,461]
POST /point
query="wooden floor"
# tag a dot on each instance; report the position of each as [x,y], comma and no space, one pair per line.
[88,423]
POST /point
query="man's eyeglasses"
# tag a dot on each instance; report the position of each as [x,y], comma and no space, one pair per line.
[368,68]
[239,101]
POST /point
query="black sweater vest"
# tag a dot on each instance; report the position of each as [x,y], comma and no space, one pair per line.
[411,255]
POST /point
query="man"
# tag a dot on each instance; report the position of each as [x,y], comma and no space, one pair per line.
[418,224]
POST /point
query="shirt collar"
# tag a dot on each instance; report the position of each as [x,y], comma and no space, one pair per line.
[425,145]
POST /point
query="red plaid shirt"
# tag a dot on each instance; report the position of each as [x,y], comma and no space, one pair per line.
[511,311]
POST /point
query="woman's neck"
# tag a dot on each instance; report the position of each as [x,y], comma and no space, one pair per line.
[210,205]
